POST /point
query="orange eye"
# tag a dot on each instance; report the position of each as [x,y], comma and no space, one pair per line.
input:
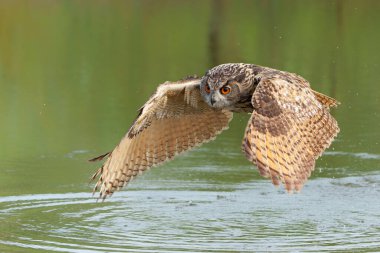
[225,90]
[207,88]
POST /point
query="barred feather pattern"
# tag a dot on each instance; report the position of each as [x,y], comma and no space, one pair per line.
[325,100]
[175,119]
[288,130]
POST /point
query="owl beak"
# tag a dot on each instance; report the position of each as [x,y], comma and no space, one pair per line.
[212,100]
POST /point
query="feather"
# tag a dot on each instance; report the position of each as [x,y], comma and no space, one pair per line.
[292,130]
[174,120]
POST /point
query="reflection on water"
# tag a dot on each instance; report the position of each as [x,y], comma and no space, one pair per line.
[74,73]
[329,215]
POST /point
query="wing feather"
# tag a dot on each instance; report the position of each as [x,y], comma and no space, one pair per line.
[288,130]
[326,100]
[174,120]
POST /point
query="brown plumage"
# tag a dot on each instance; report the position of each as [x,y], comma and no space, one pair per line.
[289,128]
[173,120]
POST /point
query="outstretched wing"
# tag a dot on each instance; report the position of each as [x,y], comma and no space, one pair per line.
[172,121]
[288,130]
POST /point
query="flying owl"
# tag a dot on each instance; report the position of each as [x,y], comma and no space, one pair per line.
[289,128]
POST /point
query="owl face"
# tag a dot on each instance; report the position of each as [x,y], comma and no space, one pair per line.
[224,85]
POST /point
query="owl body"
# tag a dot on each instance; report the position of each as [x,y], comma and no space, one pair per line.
[289,128]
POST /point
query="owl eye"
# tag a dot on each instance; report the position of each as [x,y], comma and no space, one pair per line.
[225,90]
[207,88]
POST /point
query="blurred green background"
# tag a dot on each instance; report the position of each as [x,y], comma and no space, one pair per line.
[74,73]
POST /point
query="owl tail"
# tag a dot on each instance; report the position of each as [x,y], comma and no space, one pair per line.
[326,100]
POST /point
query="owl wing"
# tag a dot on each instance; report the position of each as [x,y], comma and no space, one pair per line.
[288,130]
[172,121]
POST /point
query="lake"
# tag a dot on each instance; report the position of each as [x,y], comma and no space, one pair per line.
[74,73]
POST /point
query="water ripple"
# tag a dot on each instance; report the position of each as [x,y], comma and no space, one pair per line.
[356,155]
[329,215]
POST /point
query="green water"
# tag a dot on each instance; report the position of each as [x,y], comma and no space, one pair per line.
[74,73]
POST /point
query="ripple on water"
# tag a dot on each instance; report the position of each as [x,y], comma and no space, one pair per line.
[362,155]
[329,215]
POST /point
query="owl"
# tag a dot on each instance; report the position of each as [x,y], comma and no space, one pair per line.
[289,127]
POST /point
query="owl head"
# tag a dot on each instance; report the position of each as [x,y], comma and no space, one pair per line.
[225,85]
